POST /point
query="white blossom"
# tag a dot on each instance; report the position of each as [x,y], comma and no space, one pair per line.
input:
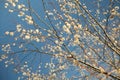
[27,36]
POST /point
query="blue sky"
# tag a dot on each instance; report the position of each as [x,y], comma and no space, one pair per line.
[5,24]
[8,21]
